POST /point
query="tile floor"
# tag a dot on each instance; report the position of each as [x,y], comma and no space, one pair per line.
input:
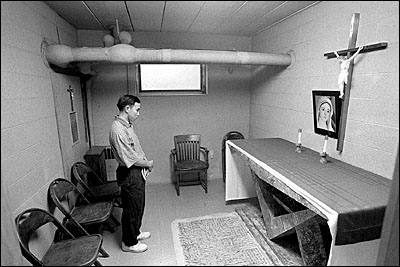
[162,207]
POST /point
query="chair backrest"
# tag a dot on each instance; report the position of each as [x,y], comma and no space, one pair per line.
[27,223]
[229,136]
[187,146]
[81,174]
[62,190]
[233,135]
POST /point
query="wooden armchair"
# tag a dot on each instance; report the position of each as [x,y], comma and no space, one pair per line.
[73,251]
[186,157]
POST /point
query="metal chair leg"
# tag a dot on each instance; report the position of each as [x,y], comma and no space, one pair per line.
[205,181]
[104,253]
[117,223]
[109,227]
[177,184]
[97,263]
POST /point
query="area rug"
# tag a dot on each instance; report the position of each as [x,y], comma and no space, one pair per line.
[225,239]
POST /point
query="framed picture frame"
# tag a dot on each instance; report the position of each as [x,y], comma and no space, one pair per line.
[327,110]
[73,120]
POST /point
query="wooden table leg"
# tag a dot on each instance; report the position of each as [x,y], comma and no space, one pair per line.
[311,243]
[281,218]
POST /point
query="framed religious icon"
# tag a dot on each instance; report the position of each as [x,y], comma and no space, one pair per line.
[74,127]
[327,110]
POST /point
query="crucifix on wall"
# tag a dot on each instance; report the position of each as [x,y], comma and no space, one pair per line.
[71,97]
[73,117]
[346,65]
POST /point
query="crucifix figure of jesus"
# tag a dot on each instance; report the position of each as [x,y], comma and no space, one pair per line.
[344,69]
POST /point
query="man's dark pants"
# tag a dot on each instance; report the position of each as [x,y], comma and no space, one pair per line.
[133,202]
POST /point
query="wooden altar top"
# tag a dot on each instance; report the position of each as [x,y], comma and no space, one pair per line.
[359,197]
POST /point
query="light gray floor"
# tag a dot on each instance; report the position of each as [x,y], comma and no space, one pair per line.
[162,207]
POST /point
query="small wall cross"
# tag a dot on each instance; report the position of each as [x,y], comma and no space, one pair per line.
[71,96]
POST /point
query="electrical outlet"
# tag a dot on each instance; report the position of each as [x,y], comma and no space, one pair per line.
[211,154]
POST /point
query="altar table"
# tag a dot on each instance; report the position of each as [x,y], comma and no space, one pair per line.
[351,199]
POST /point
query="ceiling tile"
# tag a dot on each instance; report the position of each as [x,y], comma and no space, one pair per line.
[146,15]
[212,14]
[108,11]
[236,18]
[76,13]
[179,15]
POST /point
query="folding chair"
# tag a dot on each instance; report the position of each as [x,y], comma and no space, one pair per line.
[85,216]
[73,251]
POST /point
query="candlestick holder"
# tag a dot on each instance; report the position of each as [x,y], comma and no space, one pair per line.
[323,159]
[298,148]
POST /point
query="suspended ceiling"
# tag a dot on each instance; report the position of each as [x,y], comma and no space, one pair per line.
[235,18]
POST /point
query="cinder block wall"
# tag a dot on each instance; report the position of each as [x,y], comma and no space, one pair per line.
[30,146]
[281,100]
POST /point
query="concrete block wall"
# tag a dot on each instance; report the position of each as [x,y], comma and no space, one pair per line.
[30,147]
[281,99]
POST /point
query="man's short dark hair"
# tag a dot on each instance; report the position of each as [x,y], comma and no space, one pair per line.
[127,100]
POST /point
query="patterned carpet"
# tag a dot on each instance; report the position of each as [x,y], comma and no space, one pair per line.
[229,239]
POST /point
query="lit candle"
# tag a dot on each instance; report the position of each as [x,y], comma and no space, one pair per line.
[299,137]
[325,143]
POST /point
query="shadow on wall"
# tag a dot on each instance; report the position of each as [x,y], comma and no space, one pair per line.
[262,74]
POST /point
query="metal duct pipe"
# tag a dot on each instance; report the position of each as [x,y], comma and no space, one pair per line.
[62,55]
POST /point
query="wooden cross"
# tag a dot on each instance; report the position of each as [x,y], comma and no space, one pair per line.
[351,50]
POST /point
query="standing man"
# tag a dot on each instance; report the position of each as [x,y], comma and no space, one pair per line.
[132,170]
